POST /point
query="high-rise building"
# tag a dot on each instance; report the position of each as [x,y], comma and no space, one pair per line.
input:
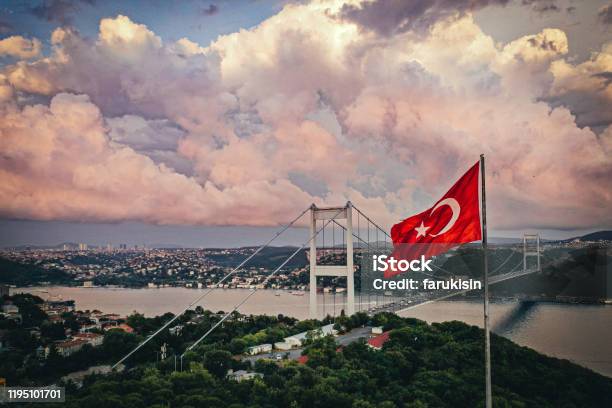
[82,247]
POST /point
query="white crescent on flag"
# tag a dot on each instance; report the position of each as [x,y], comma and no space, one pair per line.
[455,208]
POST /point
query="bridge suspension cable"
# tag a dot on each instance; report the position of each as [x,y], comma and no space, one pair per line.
[503,263]
[202,296]
[246,298]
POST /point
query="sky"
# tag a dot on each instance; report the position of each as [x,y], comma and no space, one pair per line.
[212,123]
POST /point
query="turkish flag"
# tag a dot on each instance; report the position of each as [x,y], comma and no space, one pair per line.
[454,219]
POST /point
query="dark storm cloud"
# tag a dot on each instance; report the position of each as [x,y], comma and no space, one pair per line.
[543,44]
[542,6]
[606,76]
[60,11]
[211,10]
[605,14]
[5,27]
[390,16]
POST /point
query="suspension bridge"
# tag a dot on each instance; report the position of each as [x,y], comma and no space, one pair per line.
[338,237]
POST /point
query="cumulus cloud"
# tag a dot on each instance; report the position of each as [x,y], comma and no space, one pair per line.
[58,162]
[307,106]
[585,88]
[17,46]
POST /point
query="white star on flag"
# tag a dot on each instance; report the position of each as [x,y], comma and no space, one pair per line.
[421,230]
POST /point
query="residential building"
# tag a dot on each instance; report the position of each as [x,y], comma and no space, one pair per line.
[241,375]
[94,339]
[10,308]
[68,347]
[377,342]
[260,348]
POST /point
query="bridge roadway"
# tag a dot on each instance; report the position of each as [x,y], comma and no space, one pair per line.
[424,298]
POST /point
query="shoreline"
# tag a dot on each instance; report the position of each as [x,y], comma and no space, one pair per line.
[302,292]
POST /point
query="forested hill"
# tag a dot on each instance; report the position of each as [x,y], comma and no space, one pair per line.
[439,365]
[20,274]
[270,258]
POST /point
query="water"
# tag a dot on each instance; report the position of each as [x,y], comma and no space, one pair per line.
[580,333]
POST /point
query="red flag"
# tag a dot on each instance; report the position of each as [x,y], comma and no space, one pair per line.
[454,219]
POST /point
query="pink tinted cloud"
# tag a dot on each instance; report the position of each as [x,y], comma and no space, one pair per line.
[386,121]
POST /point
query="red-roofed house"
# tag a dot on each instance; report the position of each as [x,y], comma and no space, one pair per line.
[378,341]
[124,327]
[66,348]
[94,339]
[302,359]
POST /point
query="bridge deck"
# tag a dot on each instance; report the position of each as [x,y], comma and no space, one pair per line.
[425,298]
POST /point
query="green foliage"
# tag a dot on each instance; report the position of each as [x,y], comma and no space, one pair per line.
[31,314]
[21,274]
[438,365]
[217,362]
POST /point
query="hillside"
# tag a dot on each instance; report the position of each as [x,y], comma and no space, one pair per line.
[269,257]
[597,236]
[14,273]
[438,365]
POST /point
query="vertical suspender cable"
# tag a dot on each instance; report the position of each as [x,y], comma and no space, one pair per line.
[246,298]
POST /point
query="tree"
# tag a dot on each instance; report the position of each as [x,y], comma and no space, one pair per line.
[217,362]
[237,346]
[53,331]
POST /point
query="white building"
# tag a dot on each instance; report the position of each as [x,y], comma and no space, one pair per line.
[297,340]
[10,309]
[240,375]
[260,348]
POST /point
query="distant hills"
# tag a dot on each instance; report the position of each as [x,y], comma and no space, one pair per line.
[595,236]
[605,235]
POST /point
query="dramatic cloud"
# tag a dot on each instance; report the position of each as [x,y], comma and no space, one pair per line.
[392,16]
[585,88]
[307,107]
[17,46]
[58,162]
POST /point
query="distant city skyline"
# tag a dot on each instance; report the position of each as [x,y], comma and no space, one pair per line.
[57,232]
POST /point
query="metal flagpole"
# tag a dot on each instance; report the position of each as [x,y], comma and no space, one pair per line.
[488,397]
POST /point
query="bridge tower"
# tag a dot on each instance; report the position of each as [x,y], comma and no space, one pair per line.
[336,213]
[531,248]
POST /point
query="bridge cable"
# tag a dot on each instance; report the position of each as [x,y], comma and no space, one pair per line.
[367,218]
[246,298]
[202,296]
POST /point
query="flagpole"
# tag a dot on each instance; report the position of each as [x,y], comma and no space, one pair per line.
[483,197]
